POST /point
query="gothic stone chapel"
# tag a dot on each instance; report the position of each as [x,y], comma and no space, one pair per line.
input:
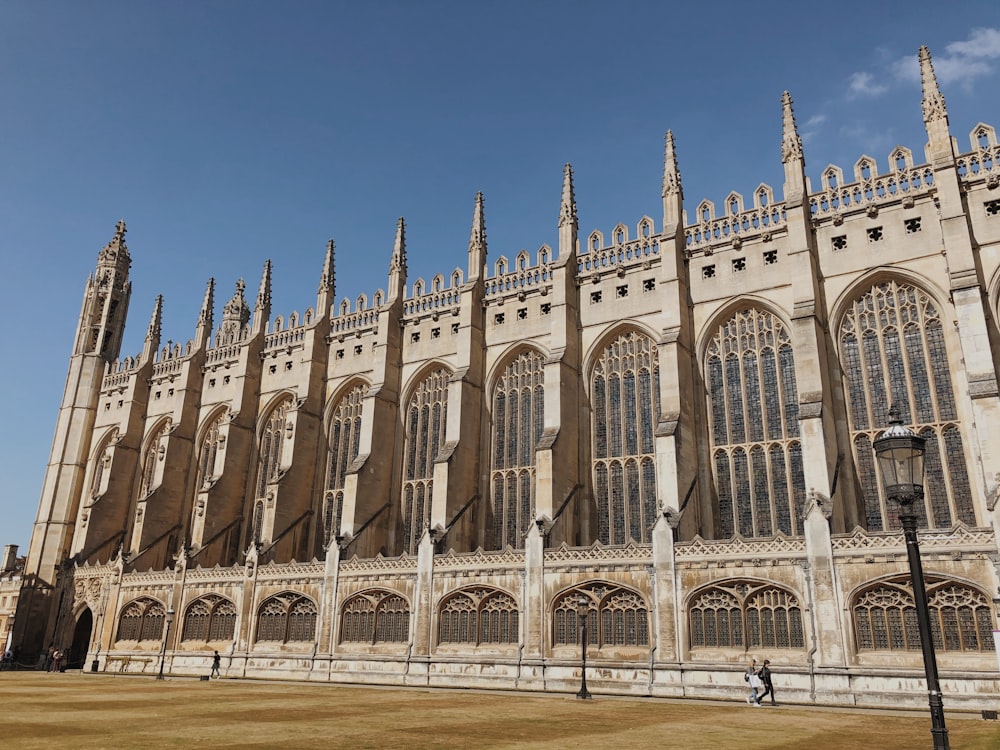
[667,430]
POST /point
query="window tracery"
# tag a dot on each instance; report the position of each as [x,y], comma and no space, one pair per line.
[376,616]
[753,407]
[209,618]
[616,616]
[893,353]
[625,395]
[743,614]
[426,418]
[478,616]
[287,617]
[141,620]
[518,420]
[885,617]
[345,436]
[271,440]
[154,452]
[208,451]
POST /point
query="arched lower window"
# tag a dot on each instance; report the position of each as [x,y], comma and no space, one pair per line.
[376,616]
[616,616]
[745,614]
[478,616]
[209,618]
[625,396]
[885,617]
[426,417]
[754,412]
[345,436]
[893,353]
[287,617]
[141,620]
[518,419]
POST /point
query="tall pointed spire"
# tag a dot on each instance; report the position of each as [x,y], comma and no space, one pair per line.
[477,241]
[152,342]
[206,316]
[567,207]
[791,152]
[262,308]
[673,190]
[397,266]
[327,283]
[933,101]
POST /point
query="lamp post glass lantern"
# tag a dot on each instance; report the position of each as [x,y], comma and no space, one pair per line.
[166,636]
[582,613]
[900,453]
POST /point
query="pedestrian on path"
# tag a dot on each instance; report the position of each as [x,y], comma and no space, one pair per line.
[216,662]
[765,679]
[753,681]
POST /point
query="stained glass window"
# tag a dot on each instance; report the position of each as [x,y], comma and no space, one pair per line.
[616,616]
[745,614]
[345,434]
[478,616]
[209,618]
[885,617]
[375,616]
[893,353]
[518,419]
[753,403]
[426,417]
[626,406]
[287,617]
[141,620]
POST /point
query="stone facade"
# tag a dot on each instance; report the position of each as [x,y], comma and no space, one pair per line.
[668,428]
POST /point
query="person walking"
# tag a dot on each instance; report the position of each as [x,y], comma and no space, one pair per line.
[765,679]
[753,681]
[216,662]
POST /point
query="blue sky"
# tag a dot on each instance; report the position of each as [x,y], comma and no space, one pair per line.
[226,133]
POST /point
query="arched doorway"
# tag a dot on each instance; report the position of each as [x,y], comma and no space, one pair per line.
[81,640]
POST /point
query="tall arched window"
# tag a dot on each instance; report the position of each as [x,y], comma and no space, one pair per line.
[885,617]
[616,616]
[625,397]
[287,617]
[141,620]
[376,616]
[208,450]
[102,458]
[754,411]
[745,614]
[271,441]
[155,451]
[209,618]
[426,417]
[345,434]
[478,616]
[893,351]
[518,419]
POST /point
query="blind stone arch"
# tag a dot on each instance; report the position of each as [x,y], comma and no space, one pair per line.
[616,616]
[376,616]
[625,401]
[885,617]
[518,420]
[754,427]
[478,616]
[345,437]
[745,614]
[893,353]
[208,450]
[141,620]
[287,617]
[209,618]
[271,443]
[426,418]
[152,454]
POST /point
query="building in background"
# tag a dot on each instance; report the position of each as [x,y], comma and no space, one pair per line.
[666,428]
[11,567]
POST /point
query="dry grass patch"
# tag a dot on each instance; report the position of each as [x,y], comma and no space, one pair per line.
[100,711]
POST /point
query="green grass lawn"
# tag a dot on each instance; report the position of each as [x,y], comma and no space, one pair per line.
[102,711]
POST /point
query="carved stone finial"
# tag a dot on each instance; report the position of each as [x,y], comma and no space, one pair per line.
[398,262]
[671,174]
[237,310]
[155,320]
[328,280]
[264,292]
[207,305]
[933,101]
[791,143]
[115,253]
[567,207]
[477,238]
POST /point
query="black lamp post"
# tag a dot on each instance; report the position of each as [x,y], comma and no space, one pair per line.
[166,637]
[582,611]
[900,453]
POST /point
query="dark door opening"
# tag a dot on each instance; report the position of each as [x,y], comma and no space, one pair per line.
[81,641]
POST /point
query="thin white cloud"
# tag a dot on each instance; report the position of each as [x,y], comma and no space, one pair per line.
[864,84]
[961,63]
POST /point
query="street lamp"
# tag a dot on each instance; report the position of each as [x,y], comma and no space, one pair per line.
[582,610]
[900,453]
[166,637]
